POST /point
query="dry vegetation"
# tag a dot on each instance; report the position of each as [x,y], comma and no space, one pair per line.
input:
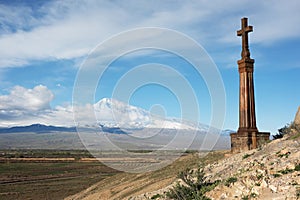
[57,174]
[126,185]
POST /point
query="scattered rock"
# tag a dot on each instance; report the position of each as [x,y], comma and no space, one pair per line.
[266,174]
[273,188]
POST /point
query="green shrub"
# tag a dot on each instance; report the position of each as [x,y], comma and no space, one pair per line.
[253,195]
[297,167]
[246,156]
[286,155]
[195,186]
[259,176]
[230,180]
[286,171]
[156,196]
[298,193]
[294,183]
[276,175]
[245,197]
[281,132]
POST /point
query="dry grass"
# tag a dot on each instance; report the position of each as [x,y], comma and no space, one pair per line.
[126,185]
[41,175]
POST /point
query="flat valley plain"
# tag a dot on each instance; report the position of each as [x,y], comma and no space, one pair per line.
[48,174]
[56,165]
[57,174]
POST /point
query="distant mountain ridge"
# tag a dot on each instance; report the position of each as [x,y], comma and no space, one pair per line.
[37,128]
[117,117]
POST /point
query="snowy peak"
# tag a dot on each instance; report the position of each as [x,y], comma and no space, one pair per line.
[114,113]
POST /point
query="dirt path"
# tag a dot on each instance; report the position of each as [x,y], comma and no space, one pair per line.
[39,179]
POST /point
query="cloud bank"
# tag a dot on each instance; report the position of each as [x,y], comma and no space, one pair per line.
[24,106]
[26,100]
[70,29]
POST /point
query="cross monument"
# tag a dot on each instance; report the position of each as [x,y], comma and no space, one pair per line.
[247,137]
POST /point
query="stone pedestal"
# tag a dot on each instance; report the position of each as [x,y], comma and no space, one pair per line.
[247,140]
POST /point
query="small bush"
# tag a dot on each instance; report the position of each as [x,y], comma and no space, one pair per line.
[245,197]
[286,155]
[286,171]
[246,156]
[276,175]
[259,176]
[298,193]
[195,186]
[253,195]
[297,167]
[156,196]
[294,183]
[230,180]
[281,132]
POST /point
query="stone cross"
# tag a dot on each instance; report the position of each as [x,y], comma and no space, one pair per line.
[244,33]
[247,137]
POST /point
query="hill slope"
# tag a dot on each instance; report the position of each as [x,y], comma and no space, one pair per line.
[272,172]
[269,172]
[130,185]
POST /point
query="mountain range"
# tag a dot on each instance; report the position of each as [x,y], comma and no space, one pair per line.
[37,128]
[117,117]
[114,113]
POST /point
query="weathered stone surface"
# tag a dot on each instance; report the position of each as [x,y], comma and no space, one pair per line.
[297,117]
[269,173]
[266,173]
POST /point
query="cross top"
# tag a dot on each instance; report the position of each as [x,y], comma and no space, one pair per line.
[244,33]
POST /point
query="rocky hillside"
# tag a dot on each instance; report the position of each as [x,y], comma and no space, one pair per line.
[272,172]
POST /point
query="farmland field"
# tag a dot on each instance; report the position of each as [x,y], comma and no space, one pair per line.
[57,174]
[47,174]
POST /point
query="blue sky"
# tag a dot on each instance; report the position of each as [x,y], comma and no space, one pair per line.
[43,45]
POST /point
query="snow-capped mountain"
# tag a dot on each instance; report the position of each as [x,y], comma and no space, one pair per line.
[114,113]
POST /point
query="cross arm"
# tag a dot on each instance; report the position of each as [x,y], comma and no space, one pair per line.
[247,30]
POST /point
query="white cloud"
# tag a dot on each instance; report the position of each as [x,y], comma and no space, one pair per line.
[15,18]
[70,29]
[26,100]
[24,106]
